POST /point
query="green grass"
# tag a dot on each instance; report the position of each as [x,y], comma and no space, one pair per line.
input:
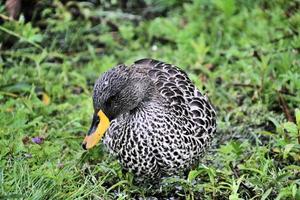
[243,54]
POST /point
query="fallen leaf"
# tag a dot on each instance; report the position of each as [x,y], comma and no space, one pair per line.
[25,140]
[13,7]
[10,109]
[46,99]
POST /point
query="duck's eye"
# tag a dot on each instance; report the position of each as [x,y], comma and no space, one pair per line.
[110,100]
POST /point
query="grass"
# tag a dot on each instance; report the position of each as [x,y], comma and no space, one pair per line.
[243,54]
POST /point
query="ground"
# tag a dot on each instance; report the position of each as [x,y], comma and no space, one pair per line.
[243,54]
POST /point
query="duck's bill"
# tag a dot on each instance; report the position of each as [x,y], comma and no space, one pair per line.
[99,126]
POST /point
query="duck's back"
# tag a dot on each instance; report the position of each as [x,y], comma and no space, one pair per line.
[191,107]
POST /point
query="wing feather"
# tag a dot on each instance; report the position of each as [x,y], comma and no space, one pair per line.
[175,86]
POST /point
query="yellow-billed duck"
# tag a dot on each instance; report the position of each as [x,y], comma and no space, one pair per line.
[152,117]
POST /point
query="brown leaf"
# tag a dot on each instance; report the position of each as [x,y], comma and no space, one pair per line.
[210,66]
[13,7]
[25,140]
[203,78]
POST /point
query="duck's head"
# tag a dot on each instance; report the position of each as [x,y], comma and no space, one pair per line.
[116,92]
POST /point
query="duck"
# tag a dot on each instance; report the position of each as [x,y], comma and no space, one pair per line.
[152,118]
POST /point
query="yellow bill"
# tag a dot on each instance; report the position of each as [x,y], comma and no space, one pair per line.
[93,139]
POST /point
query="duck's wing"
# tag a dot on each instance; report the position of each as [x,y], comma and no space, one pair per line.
[184,98]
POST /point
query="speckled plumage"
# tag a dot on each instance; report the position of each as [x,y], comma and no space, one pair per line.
[170,126]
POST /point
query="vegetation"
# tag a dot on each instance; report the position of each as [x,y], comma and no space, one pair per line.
[243,54]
